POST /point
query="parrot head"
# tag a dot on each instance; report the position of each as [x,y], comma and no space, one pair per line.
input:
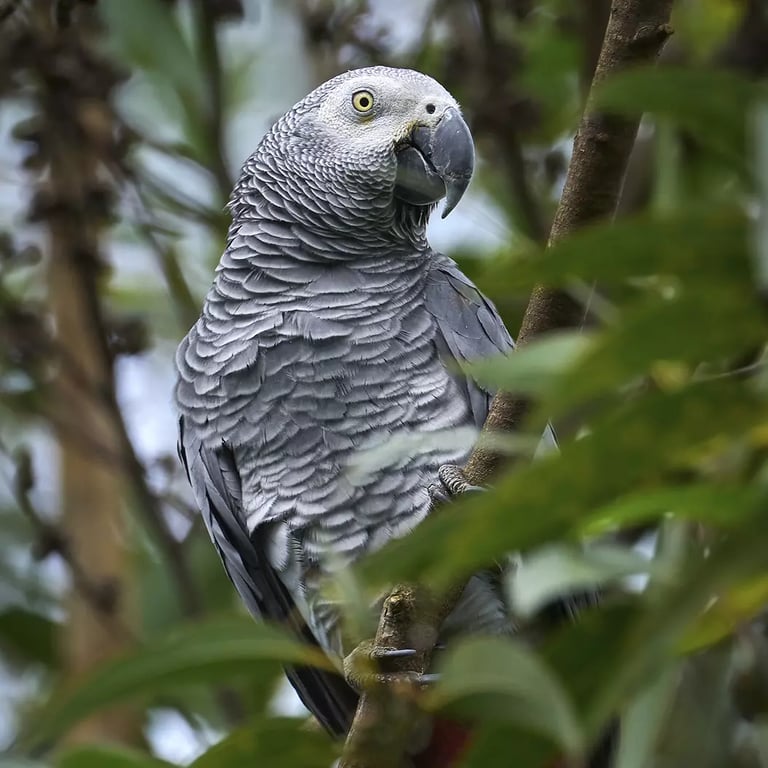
[379,136]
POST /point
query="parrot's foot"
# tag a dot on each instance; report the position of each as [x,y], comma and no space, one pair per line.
[370,665]
[453,482]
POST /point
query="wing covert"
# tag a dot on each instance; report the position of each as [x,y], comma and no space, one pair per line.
[469,328]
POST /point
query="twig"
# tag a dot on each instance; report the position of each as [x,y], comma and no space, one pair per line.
[636,32]
[183,301]
[100,595]
[531,214]
[212,73]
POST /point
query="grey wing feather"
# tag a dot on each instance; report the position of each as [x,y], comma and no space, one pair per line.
[469,328]
[215,482]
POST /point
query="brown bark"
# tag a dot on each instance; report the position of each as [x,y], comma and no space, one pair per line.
[636,32]
[91,495]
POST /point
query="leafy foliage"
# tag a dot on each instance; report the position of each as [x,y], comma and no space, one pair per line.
[664,408]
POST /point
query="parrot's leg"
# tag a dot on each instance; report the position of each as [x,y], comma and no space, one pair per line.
[369,665]
[452,482]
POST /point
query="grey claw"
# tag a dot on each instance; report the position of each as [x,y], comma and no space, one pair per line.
[392,653]
[428,679]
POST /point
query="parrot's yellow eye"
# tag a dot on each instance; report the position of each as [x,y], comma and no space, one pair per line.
[362,101]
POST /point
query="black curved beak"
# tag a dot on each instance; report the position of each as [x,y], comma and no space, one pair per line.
[436,162]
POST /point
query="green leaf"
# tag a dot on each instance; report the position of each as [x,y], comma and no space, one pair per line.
[108,757]
[215,651]
[706,246]
[500,745]
[735,607]
[534,368]
[712,105]
[721,504]
[698,723]
[147,33]
[28,636]
[284,742]
[551,497]
[503,680]
[694,327]
[561,570]
[565,369]
[760,236]
[644,720]
[660,630]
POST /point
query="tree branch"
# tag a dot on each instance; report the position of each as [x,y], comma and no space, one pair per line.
[636,32]
[212,73]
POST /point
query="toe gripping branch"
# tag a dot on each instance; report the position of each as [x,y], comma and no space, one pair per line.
[452,483]
[369,665]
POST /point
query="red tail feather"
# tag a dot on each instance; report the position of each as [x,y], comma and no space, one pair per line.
[450,740]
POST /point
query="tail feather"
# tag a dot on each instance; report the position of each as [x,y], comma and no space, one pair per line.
[449,743]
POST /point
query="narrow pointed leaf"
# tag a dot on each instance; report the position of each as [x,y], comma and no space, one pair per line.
[284,742]
[559,570]
[554,495]
[109,757]
[702,245]
[711,105]
[213,652]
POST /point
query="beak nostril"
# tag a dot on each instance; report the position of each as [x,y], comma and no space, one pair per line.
[431,109]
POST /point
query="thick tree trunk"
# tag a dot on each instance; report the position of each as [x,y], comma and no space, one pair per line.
[92,493]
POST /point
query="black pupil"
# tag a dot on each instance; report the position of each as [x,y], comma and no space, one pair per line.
[364,102]
[430,108]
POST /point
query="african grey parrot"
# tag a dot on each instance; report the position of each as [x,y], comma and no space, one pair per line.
[330,327]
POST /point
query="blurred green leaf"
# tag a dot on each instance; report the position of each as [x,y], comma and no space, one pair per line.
[760,237]
[28,636]
[534,368]
[721,504]
[552,56]
[701,246]
[733,608]
[697,725]
[550,498]
[703,26]
[645,718]
[659,631]
[214,651]
[567,368]
[108,757]
[297,743]
[503,680]
[693,327]
[712,105]
[493,742]
[148,34]
[558,570]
